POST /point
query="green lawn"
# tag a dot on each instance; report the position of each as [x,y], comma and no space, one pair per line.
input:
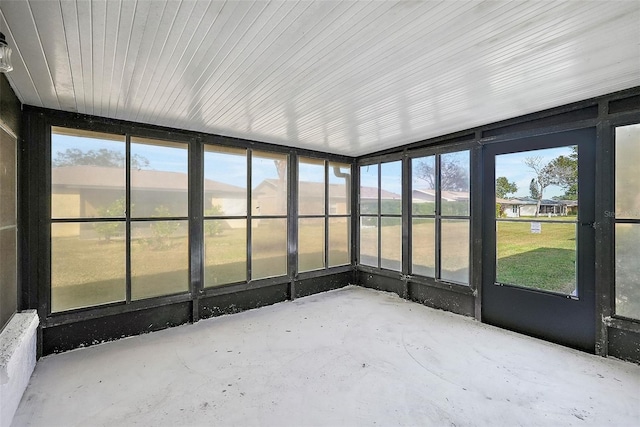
[89,272]
[545,261]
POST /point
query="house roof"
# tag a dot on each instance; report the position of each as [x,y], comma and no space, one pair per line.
[430,194]
[108,177]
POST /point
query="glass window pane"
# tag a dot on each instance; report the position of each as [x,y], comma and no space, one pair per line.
[369,189]
[268,248]
[310,244]
[391,243]
[627,176]
[225,244]
[269,183]
[454,182]
[423,179]
[628,270]
[8,274]
[369,241]
[454,250]
[225,181]
[339,189]
[87,264]
[423,234]
[310,187]
[542,258]
[7,179]
[159,258]
[391,192]
[87,174]
[339,241]
[159,178]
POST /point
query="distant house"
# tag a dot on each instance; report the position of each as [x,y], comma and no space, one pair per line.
[392,202]
[526,206]
[311,194]
[429,195]
[90,191]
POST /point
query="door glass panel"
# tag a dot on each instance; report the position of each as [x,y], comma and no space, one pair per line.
[536,219]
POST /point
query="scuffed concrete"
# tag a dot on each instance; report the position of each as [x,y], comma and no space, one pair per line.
[17,361]
[347,357]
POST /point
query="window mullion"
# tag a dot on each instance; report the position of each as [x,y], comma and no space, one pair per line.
[127,231]
[438,219]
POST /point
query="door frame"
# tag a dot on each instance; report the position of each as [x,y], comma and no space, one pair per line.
[553,317]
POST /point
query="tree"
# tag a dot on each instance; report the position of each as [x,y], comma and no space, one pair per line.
[213,228]
[162,230]
[565,171]
[102,157]
[504,187]
[559,171]
[110,229]
[542,180]
[453,176]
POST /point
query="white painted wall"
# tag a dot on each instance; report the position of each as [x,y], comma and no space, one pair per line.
[17,361]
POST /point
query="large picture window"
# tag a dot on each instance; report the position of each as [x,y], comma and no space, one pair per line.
[381,215]
[627,221]
[440,216]
[119,218]
[323,214]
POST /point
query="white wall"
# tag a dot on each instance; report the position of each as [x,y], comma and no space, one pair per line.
[17,361]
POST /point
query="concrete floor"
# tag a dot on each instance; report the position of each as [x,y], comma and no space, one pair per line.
[348,357]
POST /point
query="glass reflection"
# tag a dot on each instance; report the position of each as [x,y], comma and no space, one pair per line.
[311,186]
[159,258]
[87,267]
[87,174]
[159,178]
[225,181]
[268,248]
[310,244]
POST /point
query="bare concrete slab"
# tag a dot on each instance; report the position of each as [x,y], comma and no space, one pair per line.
[347,357]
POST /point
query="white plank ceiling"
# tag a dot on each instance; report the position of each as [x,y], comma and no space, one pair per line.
[342,77]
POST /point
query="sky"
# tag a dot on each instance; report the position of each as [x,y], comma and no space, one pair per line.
[224,167]
[231,169]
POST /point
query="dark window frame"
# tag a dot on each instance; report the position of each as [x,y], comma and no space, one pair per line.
[616,220]
[437,216]
[326,215]
[127,219]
